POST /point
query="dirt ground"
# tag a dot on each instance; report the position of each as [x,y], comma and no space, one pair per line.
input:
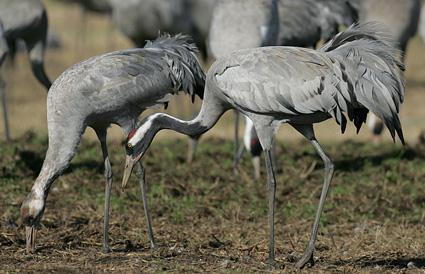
[206,218]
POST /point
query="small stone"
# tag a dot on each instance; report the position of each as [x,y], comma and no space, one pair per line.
[225,263]
[411,265]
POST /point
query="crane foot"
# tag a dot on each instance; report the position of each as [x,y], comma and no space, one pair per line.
[306,258]
[106,249]
[272,263]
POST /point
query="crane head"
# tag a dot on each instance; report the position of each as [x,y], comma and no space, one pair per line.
[32,210]
[138,141]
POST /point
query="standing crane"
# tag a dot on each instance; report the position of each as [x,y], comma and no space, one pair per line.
[24,20]
[301,23]
[114,88]
[401,18]
[241,24]
[354,73]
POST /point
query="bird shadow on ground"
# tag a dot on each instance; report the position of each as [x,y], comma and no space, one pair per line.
[396,263]
[358,163]
[33,161]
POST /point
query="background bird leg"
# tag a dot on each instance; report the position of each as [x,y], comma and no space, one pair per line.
[236,113]
[4,106]
[256,163]
[271,188]
[192,145]
[329,171]
[142,183]
[238,157]
[101,134]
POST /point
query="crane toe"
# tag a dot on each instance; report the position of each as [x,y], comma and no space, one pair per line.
[308,257]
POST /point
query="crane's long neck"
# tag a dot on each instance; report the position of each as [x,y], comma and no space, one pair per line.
[210,112]
[206,119]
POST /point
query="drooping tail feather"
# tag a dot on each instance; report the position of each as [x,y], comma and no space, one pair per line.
[187,71]
[371,68]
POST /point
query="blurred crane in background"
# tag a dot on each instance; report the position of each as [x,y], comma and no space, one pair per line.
[114,88]
[87,6]
[401,19]
[24,20]
[356,72]
[141,20]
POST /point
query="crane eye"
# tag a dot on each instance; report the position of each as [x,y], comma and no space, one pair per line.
[129,149]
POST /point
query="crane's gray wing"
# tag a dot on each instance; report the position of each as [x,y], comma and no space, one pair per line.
[290,81]
[136,76]
[287,81]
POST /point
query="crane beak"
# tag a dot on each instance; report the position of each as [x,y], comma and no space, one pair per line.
[30,238]
[129,165]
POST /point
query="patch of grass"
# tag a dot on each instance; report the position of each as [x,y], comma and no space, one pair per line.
[190,203]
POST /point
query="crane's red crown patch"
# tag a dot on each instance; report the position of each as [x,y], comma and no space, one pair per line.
[131,133]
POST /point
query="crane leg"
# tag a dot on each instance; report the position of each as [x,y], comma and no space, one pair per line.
[376,126]
[236,131]
[192,145]
[256,163]
[4,105]
[142,183]
[329,171]
[271,188]
[238,157]
[101,134]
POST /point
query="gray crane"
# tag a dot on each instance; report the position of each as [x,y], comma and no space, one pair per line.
[354,73]
[114,88]
[24,20]
[401,18]
[302,23]
[140,20]
[241,24]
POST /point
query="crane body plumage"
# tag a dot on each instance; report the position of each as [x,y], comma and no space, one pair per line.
[356,72]
[114,88]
